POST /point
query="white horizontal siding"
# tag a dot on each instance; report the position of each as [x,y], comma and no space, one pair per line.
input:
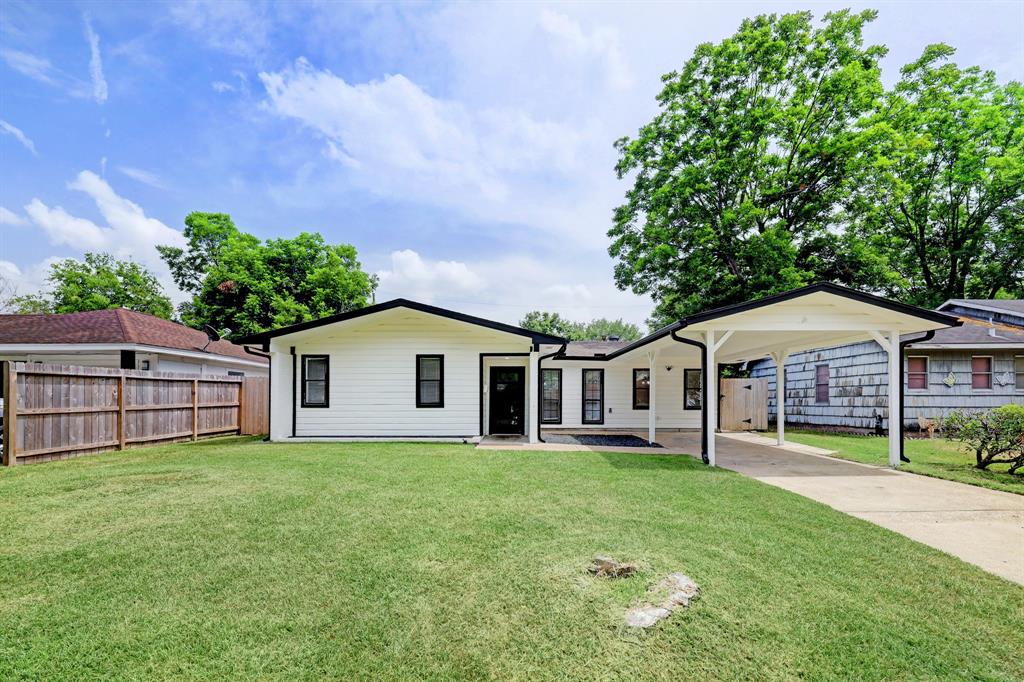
[618,396]
[372,382]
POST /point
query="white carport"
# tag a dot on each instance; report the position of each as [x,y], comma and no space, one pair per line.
[816,316]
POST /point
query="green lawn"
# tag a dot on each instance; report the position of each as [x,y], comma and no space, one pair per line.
[936,457]
[234,559]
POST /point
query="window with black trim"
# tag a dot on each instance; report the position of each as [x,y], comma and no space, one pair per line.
[315,377]
[551,396]
[821,384]
[593,396]
[641,389]
[693,389]
[917,372]
[429,381]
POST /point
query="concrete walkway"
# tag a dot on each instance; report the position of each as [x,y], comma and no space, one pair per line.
[983,527]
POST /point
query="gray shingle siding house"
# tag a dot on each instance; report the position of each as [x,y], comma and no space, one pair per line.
[975,366]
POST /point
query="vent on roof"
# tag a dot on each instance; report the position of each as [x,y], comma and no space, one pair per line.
[613,338]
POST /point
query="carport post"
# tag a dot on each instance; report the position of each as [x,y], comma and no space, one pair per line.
[533,382]
[895,379]
[711,398]
[780,395]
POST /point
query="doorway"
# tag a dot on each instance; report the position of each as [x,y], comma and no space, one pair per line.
[508,401]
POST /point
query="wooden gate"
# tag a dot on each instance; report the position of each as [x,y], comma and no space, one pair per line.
[744,405]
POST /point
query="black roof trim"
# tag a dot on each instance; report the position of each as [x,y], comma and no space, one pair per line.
[821,287]
[536,337]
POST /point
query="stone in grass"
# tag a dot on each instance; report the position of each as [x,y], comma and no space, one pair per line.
[607,567]
[673,591]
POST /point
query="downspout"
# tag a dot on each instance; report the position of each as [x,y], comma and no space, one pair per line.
[294,379]
[903,392]
[704,390]
[270,383]
[540,389]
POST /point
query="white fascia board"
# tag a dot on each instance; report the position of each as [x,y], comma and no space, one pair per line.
[12,348]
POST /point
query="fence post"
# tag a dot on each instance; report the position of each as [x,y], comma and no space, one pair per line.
[120,411]
[10,415]
[195,409]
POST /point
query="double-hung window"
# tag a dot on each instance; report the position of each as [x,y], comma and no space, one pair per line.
[821,384]
[1018,369]
[641,389]
[429,381]
[551,382]
[315,378]
[981,372]
[693,390]
[593,396]
[917,372]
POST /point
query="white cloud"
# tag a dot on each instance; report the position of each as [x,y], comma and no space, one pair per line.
[36,68]
[99,82]
[9,217]
[221,86]
[238,28]
[128,233]
[395,139]
[600,44]
[426,280]
[21,137]
[27,280]
[144,176]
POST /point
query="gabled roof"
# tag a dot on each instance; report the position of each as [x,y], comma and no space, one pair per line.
[536,337]
[115,326]
[1007,306]
[823,287]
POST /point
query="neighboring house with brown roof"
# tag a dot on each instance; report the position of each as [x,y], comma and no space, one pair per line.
[122,338]
[978,365]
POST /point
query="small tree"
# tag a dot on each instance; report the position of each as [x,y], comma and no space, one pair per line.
[996,436]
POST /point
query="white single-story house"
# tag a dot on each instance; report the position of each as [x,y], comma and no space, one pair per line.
[406,370]
[121,338]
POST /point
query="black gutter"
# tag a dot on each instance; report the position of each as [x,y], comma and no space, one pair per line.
[540,390]
[704,391]
[294,373]
[903,393]
[270,382]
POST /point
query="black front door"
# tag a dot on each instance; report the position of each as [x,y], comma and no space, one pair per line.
[508,400]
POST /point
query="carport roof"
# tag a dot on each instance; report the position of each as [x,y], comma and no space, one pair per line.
[892,315]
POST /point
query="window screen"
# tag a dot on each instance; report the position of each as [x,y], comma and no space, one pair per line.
[641,389]
[821,384]
[593,396]
[314,380]
[981,372]
[429,381]
[552,396]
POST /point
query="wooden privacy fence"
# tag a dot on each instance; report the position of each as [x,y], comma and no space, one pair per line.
[59,411]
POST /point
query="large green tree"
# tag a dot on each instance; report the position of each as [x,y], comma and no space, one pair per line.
[246,285]
[736,180]
[97,283]
[600,328]
[943,193]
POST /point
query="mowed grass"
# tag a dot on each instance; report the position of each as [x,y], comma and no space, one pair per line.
[936,457]
[235,559]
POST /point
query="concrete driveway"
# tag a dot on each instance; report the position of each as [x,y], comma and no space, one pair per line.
[983,527]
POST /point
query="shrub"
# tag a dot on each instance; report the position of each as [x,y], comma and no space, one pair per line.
[996,436]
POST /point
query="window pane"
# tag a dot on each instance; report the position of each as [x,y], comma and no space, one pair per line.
[316,368]
[981,372]
[692,389]
[593,407]
[642,388]
[552,402]
[430,392]
[430,368]
[315,393]
[693,379]
[981,364]
[917,364]
[821,384]
[917,381]
[1018,366]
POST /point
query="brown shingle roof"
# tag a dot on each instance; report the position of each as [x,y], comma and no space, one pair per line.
[977,333]
[112,326]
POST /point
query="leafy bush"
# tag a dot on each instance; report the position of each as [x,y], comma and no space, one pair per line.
[996,436]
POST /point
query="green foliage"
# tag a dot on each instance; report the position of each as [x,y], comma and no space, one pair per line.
[942,193]
[601,328]
[739,175]
[98,283]
[247,285]
[995,436]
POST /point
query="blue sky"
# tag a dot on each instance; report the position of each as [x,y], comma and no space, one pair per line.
[464,149]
